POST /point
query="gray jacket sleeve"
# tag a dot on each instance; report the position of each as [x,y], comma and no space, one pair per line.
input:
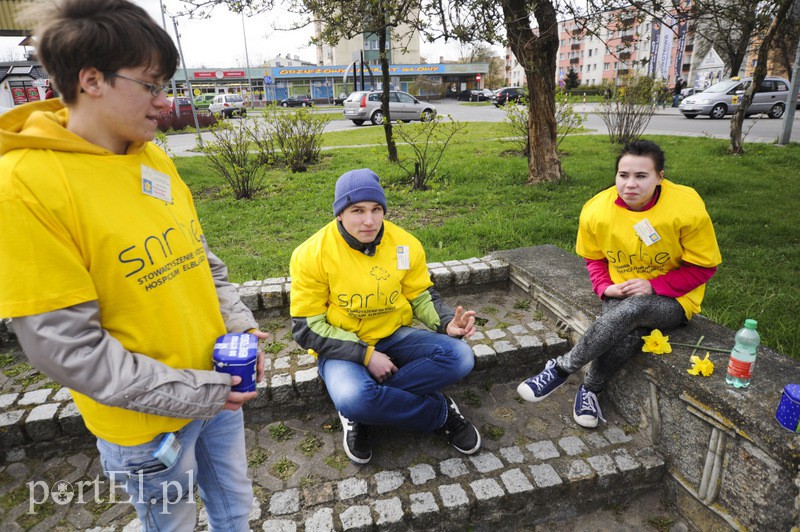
[71,347]
[236,315]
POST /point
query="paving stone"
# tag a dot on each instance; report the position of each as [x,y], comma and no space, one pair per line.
[484,356]
[281,387]
[494,334]
[356,517]
[249,296]
[477,337]
[320,521]
[453,467]
[461,274]
[505,351]
[63,394]
[279,525]
[306,360]
[486,488]
[624,461]
[7,399]
[423,503]
[552,340]
[545,475]
[537,326]
[579,470]
[434,265]
[573,445]
[617,435]
[517,330]
[285,502]
[10,430]
[421,473]
[35,397]
[16,455]
[41,424]
[486,462]
[512,455]
[597,440]
[386,481]
[480,273]
[543,450]
[389,511]
[442,277]
[453,495]
[500,270]
[318,494]
[451,263]
[252,283]
[603,464]
[282,363]
[272,296]
[471,260]
[515,481]
[308,382]
[352,487]
[528,341]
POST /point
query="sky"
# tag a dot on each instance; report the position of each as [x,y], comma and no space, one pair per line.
[220,40]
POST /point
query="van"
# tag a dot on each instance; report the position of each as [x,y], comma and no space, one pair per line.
[724,98]
[227,105]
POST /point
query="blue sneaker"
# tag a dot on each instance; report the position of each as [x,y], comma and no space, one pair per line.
[587,408]
[537,388]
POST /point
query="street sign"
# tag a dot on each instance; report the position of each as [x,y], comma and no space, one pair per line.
[477,77]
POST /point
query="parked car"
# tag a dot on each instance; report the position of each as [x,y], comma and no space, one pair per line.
[366,105]
[480,95]
[724,98]
[203,101]
[339,100]
[506,95]
[184,106]
[227,105]
[297,101]
[464,96]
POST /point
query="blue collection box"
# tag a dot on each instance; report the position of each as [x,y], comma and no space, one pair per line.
[236,354]
[788,414]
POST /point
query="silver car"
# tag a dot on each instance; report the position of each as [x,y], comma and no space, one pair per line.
[361,106]
[724,98]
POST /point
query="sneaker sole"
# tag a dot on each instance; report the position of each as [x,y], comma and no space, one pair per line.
[351,456]
[585,422]
[526,393]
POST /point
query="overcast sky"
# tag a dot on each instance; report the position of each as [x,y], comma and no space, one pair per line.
[219,41]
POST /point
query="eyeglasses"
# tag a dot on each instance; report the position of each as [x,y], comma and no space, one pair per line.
[155,88]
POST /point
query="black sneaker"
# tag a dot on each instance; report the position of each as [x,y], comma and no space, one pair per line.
[462,435]
[356,440]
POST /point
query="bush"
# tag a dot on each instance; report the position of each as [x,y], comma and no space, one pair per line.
[173,122]
[299,135]
[627,110]
[229,156]
[567,119]
[428,142]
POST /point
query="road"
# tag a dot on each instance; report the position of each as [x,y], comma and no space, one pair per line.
[667,121]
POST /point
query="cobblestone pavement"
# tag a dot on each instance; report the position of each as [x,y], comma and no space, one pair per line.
[535,460]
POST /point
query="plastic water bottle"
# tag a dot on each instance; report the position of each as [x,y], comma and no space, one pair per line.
[743,355]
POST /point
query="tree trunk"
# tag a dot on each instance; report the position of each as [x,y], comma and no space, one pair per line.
[537,55]
[759,74]
[386,80]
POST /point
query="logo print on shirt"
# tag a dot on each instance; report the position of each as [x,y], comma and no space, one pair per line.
[358,303]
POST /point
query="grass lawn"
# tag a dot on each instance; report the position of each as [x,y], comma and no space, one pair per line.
[480,203]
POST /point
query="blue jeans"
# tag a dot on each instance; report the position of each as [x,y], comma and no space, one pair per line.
[410,399]
[212,454]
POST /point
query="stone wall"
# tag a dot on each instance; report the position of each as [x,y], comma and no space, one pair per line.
[731,465]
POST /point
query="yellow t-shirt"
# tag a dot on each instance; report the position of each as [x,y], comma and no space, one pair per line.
[679,218]
[368,296]
[77,227]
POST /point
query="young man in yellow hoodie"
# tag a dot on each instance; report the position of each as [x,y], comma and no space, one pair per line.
[357,285]
[106,272]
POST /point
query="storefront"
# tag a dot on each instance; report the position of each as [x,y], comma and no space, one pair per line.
[22,83]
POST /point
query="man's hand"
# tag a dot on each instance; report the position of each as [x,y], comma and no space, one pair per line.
[237,399]
[381,366]
[462,324]
[260,364]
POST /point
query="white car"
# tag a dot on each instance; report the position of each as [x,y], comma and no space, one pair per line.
[227,105]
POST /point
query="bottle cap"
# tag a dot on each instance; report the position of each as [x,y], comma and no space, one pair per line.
[750,324]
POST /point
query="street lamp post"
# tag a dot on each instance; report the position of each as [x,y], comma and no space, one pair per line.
[247,60]
[164,25]
[188,83]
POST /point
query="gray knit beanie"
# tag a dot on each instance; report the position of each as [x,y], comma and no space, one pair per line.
[355,186]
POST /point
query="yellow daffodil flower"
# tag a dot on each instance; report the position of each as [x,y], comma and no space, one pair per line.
[656,343]
[703,367]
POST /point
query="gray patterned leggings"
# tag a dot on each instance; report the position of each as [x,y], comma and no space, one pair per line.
[617,335]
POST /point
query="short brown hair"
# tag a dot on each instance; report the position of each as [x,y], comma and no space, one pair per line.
[104,34]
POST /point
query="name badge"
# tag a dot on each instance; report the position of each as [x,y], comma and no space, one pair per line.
[403,259]
[156,184]
[646,232]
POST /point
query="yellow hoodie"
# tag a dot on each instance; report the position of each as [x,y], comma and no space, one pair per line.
[81,224]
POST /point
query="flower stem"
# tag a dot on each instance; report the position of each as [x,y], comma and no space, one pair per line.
[699,346]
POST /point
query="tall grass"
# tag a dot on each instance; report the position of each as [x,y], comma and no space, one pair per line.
[479,203]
